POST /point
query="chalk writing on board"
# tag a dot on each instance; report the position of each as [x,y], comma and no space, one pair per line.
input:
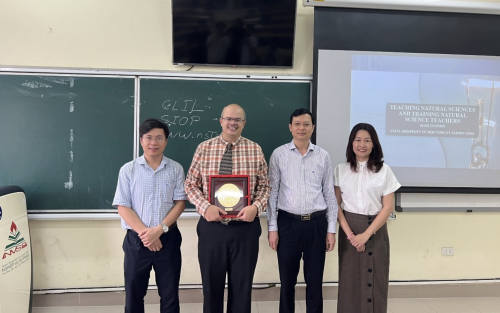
[181,114]
[203,135]
[69,184]
[61,80]
[187,106]
[180,120]
[35,84]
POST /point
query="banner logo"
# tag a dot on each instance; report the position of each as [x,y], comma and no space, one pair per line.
[17,243]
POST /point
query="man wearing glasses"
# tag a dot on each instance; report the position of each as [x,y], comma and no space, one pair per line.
[228,245]
[150,198]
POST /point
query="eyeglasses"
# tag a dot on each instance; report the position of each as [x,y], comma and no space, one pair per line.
[230,119]
[151,138]
[305,125]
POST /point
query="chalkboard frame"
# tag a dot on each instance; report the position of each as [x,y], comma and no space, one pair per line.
[189,207]
[56,75]
[274,79]
[97,214]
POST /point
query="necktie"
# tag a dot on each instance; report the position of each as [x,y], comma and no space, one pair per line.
[226,164]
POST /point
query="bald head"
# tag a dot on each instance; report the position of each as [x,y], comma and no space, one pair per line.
[231,130]
[231,107]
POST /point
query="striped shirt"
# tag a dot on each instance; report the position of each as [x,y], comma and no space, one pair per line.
[248,159]
[149,193]
[301,184]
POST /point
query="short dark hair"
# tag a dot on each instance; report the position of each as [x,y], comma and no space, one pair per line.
[300,112]
[375,160]
[151,123]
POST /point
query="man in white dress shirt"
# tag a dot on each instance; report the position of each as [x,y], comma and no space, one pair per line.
[302,212]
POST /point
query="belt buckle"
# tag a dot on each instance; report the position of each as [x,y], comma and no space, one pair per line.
[306,217]
[224,223]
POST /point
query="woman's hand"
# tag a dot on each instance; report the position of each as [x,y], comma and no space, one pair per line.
[358,241]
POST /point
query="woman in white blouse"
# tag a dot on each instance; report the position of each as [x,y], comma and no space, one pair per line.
[364,187]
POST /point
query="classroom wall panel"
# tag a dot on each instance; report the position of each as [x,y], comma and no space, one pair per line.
[83,254]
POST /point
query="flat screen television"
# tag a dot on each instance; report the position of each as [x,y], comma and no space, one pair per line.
[237,33]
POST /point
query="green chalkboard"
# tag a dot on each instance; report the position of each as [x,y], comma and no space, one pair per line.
[192,110]
[63,139]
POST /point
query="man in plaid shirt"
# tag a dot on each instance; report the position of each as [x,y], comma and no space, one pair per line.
[228,245]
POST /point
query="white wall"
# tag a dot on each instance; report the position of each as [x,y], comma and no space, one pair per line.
[135,34]
[71,254]
[111,34]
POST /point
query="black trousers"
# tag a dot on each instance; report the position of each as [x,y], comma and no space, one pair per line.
[167,265]
[231,249]
[307,240]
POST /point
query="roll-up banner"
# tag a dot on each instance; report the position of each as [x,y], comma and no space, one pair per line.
[16,279]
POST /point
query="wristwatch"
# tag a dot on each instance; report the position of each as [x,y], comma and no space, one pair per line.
[165,227]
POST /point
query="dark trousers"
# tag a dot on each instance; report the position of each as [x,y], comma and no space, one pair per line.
[231,249]
[167,265]
[307,240]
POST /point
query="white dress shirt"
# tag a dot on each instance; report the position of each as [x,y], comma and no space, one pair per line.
[362,191]
[301,184]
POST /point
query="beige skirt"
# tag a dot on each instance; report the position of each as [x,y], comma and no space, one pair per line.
[363,276]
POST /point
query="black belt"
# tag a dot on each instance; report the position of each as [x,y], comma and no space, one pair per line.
[227,223]
[305,217]
[174,225]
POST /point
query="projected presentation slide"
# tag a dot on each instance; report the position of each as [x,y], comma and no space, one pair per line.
[436,115]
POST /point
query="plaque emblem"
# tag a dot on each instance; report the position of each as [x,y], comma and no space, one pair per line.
[229,192]
[229,195]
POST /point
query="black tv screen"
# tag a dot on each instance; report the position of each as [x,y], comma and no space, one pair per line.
[233,32]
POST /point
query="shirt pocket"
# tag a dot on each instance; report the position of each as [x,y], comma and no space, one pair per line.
[167,191]
[315,176]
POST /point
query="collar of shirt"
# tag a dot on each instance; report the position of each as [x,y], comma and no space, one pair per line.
[142,160]
[227,142]
[362,165]
[311,146]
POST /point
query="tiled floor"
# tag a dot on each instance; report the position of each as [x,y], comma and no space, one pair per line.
[434,305]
